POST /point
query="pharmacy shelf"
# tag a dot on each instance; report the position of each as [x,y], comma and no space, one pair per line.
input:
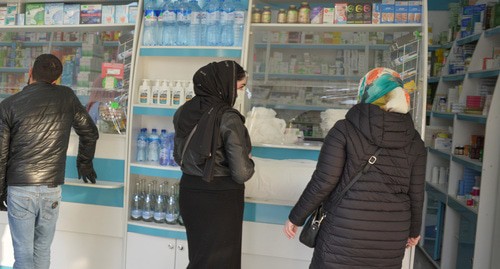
[14,69]
[432,79]
[484,73]
[441,189]
[157,229]
[445,154]
[468,162]
[468,39]
[492,32]
[472,118]
[100,184]
[323,46]
[154,170]
[153,110]
[297,27]
[180,51]
[453,78]
[460,206]
[261,76]
[443,115]
[68,28]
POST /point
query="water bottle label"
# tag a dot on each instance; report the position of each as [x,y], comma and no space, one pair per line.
[239,17]
[195,17]
[143,98]
[150,15]
[204,18]
[155,98]
[183,16]
[226,17]
[163,99]
[176,99]
[170,16]
[213,17]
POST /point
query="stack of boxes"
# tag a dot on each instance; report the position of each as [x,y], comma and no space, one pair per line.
[67,14]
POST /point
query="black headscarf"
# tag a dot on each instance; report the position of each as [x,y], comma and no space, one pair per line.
[215,89]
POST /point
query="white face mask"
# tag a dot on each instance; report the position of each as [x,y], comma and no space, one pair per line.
[397,101]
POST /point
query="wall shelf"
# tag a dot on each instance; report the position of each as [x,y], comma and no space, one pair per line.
[297,27]
[443,115]
[453,78]
[460,206]
[68,28]
[472,118]
[441,153]
[100,184]
[468,162]
[468,39]
[260,76]
[433,79]
[155,170]
[152,110]
[484,73]
[178,51]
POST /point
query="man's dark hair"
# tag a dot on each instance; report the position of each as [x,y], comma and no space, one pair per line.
[47,68]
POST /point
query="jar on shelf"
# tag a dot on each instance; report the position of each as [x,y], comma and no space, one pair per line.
[282,16]
[256,15]
[266,15]
[304,13]
[292,14]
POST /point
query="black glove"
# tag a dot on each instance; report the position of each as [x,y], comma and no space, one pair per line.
[3,202]
[86,172]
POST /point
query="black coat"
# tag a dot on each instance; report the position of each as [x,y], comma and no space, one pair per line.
[35,125]
[373,221]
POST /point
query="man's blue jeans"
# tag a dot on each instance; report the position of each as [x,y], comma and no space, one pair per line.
[33,213]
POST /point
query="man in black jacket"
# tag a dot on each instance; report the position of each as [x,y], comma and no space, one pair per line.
[35,126]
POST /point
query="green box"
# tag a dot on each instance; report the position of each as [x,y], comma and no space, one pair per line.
[35,14]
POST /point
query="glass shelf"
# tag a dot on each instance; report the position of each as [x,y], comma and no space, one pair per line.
[468,162]
[100,184]
[179,51]
[175,231]
[440,188]
[297,107]
[14,69]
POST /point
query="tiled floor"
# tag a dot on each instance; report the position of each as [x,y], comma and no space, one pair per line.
[421,260]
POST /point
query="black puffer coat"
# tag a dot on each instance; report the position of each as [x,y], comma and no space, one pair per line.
[35,125]
[370,226]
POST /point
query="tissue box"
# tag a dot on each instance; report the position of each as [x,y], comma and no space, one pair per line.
[442,143]
[54,13]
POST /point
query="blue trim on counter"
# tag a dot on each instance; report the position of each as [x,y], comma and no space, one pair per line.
[266,213]
[285,153]
[106,169]
[154,111]
[93,196]
[156,232]
[155,172]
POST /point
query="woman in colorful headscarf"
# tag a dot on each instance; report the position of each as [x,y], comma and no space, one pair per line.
[381,214]
[212,147]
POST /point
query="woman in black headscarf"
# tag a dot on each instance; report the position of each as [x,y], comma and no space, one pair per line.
[212,146]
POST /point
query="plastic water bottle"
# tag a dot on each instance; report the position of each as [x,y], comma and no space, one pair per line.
[142,143]
[172,213]
[183,22]
[204,24]
[239,22]
[195,27]
[170,148]
[136,204]
[164,154]
[159,208]
[150,23]
[169,23]
[213,26]
[227,23]
[153,146]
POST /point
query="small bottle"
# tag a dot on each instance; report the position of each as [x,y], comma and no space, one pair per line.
[172,212]
[282,16]
[144,92]
[178,95]
[164,144]
[292,14]
[256,15]
[304,13]
[189,91]
[153,146]
[266,15]
[155,92]
[159,209]
[147,209]
[165,94]
[142,143]
[136,204]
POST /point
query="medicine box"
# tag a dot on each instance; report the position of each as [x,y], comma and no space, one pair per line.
[54,13]
[121,14]
[341,13]
[414,11]
[108,14]
[367,13]
[35,13]
[442,143]
[401,12]
[90,14]
[328,15]
[387,13]
[376,13]
[71,14]
[132,14]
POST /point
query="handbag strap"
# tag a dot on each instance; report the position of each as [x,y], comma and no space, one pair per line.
[363,171]
[187,143]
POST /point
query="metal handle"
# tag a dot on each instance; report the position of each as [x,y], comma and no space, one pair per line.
[180,247]
[171,246]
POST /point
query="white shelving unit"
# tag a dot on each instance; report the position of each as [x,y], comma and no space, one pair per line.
[467,240]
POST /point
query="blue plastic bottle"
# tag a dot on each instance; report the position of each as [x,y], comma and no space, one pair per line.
[171,160]
[153,146]
[164,154]
[183,22]
[150,23]
[195,27]
[213,25]
[142,143]
[227,23]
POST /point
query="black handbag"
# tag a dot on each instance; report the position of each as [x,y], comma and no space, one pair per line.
[311,227]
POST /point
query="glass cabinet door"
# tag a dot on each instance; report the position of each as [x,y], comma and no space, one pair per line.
[434,223]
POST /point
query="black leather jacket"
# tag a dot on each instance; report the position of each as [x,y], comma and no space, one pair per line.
[35,126]
[232,156]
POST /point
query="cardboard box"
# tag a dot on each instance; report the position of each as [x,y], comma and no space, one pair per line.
[401,12]
[121,14]
[108,14]
[328,15]
[35,14]
[376,13]
[90,14]
[71,14]
[387,13]
[54,13]
[316,15]
[367,13]
[132,13]
[414,11]
[442,143]
[341,13]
